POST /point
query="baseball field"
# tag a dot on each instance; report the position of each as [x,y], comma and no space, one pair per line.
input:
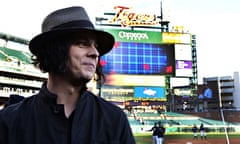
[187,138]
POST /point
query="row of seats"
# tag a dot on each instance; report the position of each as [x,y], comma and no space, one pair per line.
[7,54]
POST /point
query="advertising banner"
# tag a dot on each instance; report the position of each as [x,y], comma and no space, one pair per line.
[134,80]
[150,92]
[140,36]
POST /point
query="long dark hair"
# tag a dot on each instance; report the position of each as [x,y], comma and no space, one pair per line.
[54,56]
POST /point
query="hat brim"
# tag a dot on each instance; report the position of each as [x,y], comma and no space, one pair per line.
[105,40]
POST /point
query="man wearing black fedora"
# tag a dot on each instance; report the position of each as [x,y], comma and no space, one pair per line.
[64,111]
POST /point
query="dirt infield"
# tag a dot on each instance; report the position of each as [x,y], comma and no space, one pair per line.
[199,141]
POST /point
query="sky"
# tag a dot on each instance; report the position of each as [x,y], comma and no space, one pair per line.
[214,22]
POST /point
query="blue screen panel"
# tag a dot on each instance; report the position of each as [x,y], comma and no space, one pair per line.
[149,92]
[139,58]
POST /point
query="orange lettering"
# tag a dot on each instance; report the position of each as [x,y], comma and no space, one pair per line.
[132,19]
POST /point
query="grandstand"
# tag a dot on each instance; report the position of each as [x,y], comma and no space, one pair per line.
[231,115]
[7,54]
[176,122]
[17,74]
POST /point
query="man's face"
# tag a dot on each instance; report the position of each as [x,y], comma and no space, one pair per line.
[83,59]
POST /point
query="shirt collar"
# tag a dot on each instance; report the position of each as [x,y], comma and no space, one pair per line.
[51,98]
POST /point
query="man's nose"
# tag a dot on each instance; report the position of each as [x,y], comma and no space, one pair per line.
[93,52]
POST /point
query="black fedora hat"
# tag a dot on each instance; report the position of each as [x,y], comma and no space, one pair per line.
[70,20]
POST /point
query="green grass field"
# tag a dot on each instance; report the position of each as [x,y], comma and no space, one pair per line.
[146,138]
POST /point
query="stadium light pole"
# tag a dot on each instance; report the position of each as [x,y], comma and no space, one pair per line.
[221,110]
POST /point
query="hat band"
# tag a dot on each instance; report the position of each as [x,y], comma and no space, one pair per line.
[75,24]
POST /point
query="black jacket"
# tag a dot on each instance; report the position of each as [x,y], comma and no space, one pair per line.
[39,120]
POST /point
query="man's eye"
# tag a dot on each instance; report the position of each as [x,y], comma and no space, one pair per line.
[85,43]
[96,45]
[82,43]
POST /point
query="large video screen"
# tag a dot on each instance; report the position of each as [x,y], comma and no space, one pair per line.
[139,58]
[208,91]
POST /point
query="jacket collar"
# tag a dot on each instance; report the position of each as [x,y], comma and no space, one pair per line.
[51,98]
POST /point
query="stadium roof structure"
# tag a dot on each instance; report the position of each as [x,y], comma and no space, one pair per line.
[12,38]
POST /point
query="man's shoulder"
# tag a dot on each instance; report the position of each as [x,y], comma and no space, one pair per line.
[15,111]
[17,106]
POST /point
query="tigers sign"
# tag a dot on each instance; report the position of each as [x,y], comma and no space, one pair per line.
[126,17]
